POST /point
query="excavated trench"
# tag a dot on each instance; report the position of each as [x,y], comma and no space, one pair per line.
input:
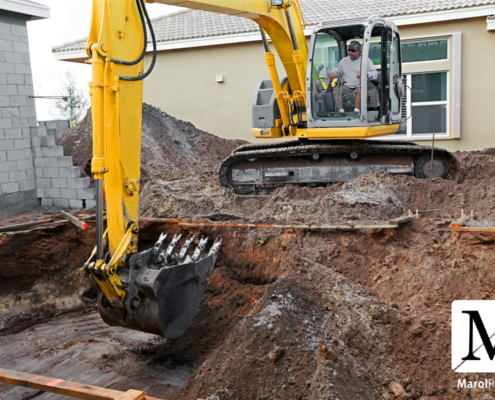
[287,314]
[352,313]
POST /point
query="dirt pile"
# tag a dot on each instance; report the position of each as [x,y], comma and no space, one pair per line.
[170,149]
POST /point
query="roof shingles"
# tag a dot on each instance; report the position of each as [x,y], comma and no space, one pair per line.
[192,24]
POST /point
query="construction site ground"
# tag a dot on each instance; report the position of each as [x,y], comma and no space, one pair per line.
[287,313]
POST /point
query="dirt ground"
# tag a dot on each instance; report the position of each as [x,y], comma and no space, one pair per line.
[287,314]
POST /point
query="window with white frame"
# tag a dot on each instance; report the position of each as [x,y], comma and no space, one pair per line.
[432,69]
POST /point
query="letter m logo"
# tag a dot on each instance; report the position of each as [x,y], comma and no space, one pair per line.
[473,336]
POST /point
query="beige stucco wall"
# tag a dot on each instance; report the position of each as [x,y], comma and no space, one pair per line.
[183,84]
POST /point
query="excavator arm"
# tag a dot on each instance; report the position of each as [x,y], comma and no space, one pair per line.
[158,290]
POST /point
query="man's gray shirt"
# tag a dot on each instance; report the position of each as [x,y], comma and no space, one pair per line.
[350,68]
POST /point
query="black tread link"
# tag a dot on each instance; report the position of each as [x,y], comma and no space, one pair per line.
[296,148]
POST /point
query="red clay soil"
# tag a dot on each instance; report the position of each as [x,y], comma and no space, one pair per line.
[287,314]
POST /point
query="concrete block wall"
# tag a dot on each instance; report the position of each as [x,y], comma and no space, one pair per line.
[58,183]
[17,117]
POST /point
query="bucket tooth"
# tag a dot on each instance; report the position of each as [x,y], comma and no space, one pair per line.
[172,248]
[216,246]
[200,249]
[186,247]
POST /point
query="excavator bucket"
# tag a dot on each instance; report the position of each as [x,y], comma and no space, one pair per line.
[165,285]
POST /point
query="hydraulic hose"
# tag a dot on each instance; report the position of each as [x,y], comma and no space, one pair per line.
[153,61]
[143,53]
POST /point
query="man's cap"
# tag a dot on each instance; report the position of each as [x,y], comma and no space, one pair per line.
[355,45]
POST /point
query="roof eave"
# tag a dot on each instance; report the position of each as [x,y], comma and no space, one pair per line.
[401,20]
[32,10]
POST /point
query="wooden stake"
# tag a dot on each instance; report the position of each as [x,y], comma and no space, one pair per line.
[417,213]
[462,212]
[472,214]
[409,212]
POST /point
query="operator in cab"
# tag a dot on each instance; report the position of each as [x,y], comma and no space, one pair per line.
[350,68]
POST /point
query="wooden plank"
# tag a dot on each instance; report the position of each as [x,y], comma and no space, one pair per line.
[74,220]
[459,222]
[401,220]
[472,229]
[26,225]
[273,226]
[68,388]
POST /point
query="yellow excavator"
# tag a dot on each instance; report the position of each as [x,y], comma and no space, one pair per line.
[325,116]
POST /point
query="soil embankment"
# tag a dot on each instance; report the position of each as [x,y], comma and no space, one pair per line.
[287,314]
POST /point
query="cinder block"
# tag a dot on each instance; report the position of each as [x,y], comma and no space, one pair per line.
[16,79]
[38,172]
[25,90]
[90,204]
[48,141]
[12,57]
[62,123]
[43,183]
[4,28]
[14,155]
[18,30]
[13,133]
[8,166]
[69,172]
[23,69]
[5,123]
[36,141]
[53,151]
[59,182]
[20,47]
[8,90]
[52,192]
[3,154]
[50,172]
[62,203]
[27,185]
[27,78]
[4,177]
[30,174]
[40,162]
[12,187]
[28,153]
[47,202]
[40,193]
[68,193]
[38,153]
[8,112]
[50,131]
[7,144]
[22,143]
[18,101]
[3,79]
[24,164]
[5,45]
[40,131]
[26,133]
[2,134]
[21,122]
[16,176]
[76,204]
[65,161]
[7,68]
[4,100]
[78,183]
[86,194]
[28,111]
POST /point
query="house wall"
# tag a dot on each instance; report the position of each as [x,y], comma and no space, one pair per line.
[183,84]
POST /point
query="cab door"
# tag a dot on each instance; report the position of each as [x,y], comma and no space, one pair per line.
[396,84]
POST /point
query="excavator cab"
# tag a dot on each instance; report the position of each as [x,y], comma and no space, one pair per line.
[379,92]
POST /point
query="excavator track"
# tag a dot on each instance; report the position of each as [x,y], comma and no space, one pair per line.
[260,168]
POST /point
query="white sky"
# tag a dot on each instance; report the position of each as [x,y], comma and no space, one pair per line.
[69,20]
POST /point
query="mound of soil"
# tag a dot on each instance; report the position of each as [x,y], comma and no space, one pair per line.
[170,148]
